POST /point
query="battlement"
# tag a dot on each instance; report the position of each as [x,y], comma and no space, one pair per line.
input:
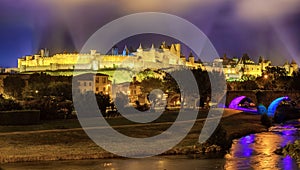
[167,55]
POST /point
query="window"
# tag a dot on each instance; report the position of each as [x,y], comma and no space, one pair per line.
[97,89]
[97,79]
[84,84]
[104,80]
[90,83]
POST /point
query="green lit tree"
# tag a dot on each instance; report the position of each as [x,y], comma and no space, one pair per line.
[151,83]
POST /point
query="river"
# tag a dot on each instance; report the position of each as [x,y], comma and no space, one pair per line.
[250,152]
[257,151]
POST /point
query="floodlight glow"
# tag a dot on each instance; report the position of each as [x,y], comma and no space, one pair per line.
[235,102]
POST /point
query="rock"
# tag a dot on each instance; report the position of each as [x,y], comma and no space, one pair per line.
[293,150]
[278,151]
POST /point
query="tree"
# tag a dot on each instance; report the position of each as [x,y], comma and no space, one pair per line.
[203,81]
[295,83]
[48,108]
[146,74]
[248,85]
[170,85]
[62,89]
[148,85]
[14,85]
[103,102]
[276,72]
[151,83]
[121,101]
[38,83]
[247,77]
[8,104]
[284,83]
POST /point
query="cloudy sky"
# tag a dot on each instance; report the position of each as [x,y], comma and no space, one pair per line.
[268,28]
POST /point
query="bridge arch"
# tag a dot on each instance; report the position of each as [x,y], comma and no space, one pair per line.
[234,104]
[273,106]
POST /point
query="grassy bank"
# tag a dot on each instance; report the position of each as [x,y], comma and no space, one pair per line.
[65,140]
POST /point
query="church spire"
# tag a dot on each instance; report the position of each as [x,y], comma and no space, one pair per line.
[191,54]
[125,51]
[152,47]
[293,61]
[140,49]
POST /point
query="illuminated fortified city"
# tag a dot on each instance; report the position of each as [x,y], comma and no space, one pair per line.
[168,56]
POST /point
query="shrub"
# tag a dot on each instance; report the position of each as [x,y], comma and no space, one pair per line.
[9,104]
[20,117]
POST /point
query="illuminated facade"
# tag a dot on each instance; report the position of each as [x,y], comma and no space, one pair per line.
[166,56]
[135,92]
[234,69]
[97,83]
[142,58]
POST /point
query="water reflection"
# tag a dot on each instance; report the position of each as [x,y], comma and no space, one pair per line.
[287,162]
[246,149]
[257,151]
[160,163]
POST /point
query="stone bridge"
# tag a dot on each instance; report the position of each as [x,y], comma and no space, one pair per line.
[267,96]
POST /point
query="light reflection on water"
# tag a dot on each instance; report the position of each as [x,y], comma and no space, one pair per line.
[257,151]
[155,163]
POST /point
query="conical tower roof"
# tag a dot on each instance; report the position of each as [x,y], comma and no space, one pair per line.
[152,47]
[140,49]
[191,54]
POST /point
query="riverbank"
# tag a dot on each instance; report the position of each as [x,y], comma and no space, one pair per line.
[74,144]
[232,127]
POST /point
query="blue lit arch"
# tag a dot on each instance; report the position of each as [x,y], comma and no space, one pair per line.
[273,106]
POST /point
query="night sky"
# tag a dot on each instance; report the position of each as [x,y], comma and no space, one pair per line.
[268,28]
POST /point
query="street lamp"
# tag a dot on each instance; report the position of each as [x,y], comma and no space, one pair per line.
[36,93]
